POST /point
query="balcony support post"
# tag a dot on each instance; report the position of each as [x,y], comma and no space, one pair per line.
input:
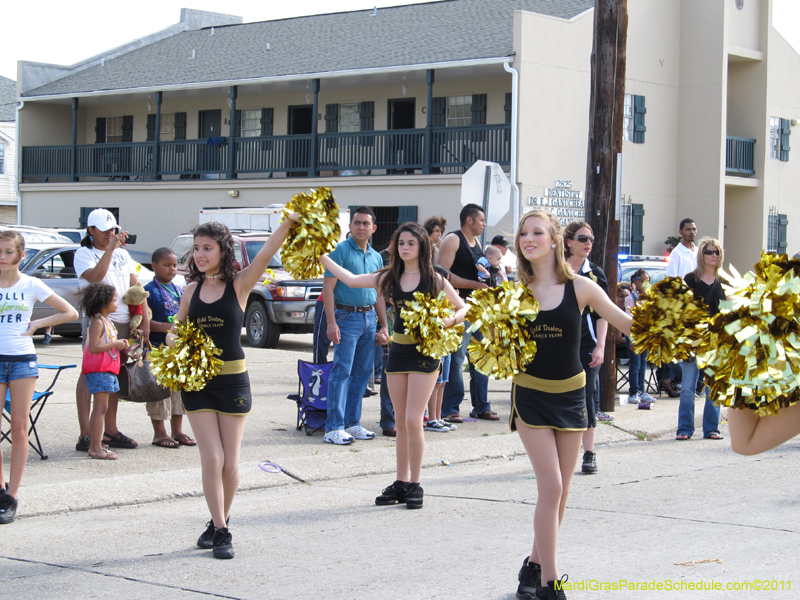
[74,152]
[427,151]
[313,158]
[231,138]
[156,162]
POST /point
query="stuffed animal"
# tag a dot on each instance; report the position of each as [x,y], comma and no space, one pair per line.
[135,298]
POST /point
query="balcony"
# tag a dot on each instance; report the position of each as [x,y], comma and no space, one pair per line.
[739,156]
[434,150]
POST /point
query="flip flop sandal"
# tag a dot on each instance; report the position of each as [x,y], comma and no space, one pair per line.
[184,440]
[454,418]
[104,454]
[682,437]
[119,440]
[714,436]
[487,415]
[167,443]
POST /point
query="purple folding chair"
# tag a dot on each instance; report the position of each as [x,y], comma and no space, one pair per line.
[312,396]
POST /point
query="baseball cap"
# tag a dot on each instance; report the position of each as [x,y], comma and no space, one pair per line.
[499,240]
[101,219]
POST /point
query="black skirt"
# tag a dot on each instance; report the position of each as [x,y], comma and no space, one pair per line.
[565,411]
[224,394]
[405,358]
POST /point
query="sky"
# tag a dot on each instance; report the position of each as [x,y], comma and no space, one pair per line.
[68,32]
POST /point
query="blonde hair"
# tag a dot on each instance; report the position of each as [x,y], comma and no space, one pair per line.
[10,235]
[491,251]
[563,270]
[707,242]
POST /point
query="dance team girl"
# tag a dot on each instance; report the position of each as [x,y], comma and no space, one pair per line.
[215,301]
[18,363]
[410,375]
[548,400]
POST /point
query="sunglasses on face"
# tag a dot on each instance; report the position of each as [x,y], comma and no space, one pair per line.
[709,252]
[584,238]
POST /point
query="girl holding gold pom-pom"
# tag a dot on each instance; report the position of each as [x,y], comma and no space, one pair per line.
[548,404]
[215,302]
[410,374]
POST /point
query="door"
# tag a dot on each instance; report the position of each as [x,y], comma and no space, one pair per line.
[297,151]
[402,149]
[210,157]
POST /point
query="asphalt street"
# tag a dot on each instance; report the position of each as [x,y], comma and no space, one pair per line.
[658,512]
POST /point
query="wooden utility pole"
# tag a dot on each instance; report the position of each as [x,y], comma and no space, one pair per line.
[606,116]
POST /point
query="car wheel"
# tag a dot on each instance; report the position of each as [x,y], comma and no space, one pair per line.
[71,335]
[261,332]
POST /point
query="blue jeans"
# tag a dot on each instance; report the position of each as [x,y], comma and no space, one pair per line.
[478,382]
[13,370]
[637,370]
[686,407]
[353,362]
[387,410]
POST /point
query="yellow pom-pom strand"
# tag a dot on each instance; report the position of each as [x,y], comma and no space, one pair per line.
[503,315]
[424,318]
[752,352]
[669,322]
[316,233]
[190,363]
[270,276]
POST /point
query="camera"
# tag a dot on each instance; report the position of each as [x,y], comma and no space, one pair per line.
[131,239]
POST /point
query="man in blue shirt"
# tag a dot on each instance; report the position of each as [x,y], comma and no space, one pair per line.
[351,328]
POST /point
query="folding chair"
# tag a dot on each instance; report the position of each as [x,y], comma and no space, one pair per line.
[622,376]
[312,395]
[37,405]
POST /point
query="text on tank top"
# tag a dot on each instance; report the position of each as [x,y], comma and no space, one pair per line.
[221,320]
[557,334]
[465,260]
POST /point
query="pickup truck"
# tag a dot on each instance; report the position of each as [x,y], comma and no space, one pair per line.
[284,305]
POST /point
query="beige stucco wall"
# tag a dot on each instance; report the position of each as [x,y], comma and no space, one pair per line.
[744,26]
[45,124]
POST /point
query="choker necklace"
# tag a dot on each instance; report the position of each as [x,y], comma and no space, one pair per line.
[412,272]
[217,276]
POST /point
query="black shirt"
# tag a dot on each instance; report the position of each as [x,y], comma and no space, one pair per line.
[221,320]
[465,260]
[711,294]
[590,318]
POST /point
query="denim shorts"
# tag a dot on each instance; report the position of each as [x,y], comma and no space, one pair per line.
[13,370]
[444,375]
[102,382]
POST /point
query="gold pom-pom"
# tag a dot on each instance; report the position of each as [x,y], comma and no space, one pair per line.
[424,324]
[503,315]
[190,363]
[669,322]
[752,351]
[316,233]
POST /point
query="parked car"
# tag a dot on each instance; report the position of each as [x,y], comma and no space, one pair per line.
[282,306]
[38,235]
[75,235]
[54,264]
[656,267]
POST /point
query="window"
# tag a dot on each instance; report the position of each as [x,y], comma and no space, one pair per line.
[251,123]
[113,130]
[350,117]
[625,225]
[775,137]
[2,158]
[459,111]
[627,121]
[167,133]
[777,226]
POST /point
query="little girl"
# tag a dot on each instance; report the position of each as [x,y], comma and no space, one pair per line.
[101,360]
[18,366]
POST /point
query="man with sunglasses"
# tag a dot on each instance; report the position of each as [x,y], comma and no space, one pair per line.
[683,258]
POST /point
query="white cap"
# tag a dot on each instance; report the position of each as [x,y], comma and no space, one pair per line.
[101,219]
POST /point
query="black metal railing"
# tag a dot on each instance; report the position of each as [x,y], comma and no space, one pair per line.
[453,149]
[739,155]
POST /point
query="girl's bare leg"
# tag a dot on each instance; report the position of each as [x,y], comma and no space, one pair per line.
[96,421]
[206,428]
[751,434]
[588,439]
[398,391]
[231,429]
[419,387]
[438,396]
[21,395]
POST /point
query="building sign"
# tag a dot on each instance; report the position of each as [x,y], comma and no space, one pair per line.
[564,202]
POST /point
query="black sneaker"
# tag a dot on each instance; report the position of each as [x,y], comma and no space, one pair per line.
[589,462]
[530,577]
[394,494]
[554,590]
[206,539]
[414,498]
[223,543]
[83,444]
[8,508]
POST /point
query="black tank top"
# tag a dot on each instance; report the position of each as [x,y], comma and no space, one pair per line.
[221,320]
[399,297]
[465,260]
[558,339]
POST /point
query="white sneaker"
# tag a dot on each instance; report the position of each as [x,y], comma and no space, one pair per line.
[436,426]
[358,432]
[645,397]
[339,437]
[452,426]
[635,399]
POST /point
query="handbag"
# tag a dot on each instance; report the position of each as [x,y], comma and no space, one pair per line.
[138,384]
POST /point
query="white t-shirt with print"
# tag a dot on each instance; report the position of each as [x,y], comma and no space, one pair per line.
[118,275]
[16,308]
